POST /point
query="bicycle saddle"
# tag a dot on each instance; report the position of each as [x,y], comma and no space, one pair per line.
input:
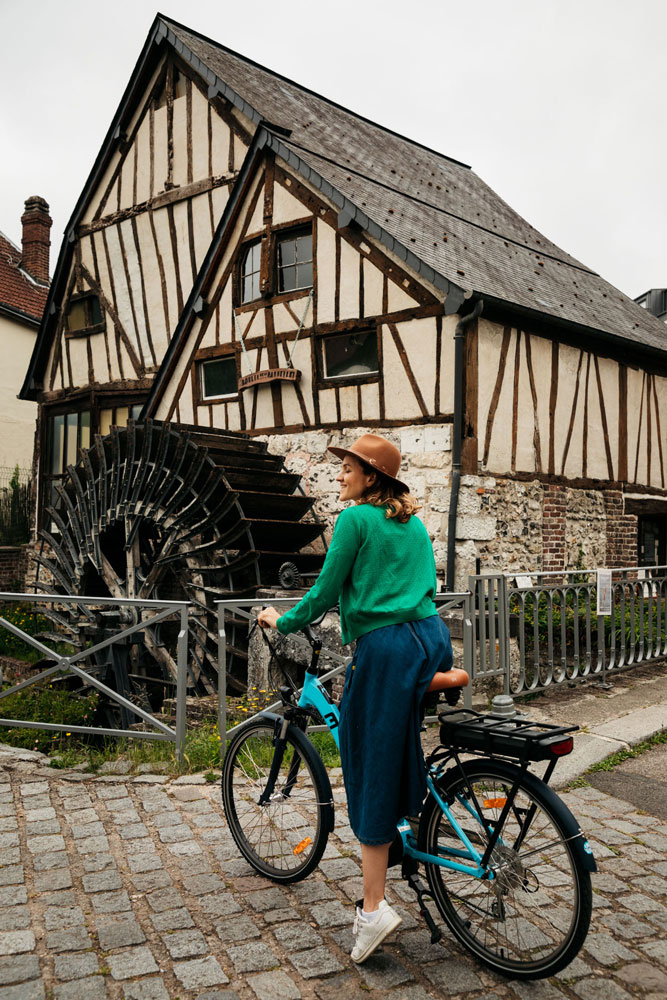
[448,679]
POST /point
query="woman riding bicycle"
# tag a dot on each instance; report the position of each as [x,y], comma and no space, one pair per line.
[380,569]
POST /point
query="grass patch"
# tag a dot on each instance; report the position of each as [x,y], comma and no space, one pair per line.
[614,759]
[30,621]
[45,704]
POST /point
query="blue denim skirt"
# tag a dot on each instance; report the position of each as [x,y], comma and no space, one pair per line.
[380,746]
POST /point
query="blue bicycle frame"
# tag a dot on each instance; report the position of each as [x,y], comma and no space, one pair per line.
[315,696]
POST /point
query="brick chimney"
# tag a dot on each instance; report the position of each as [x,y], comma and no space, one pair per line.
[36,229]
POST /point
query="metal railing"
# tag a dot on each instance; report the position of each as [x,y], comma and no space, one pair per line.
[444,602]
[68,664]
[538,630]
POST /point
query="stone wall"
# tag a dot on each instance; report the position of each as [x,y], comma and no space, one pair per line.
[509,525]
[13,567]
[426,468]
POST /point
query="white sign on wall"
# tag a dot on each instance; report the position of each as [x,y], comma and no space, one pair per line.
[604,592]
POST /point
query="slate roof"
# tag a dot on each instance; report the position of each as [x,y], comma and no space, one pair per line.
[20,295]
[435,206]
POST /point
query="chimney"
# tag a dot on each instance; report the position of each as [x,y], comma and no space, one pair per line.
[36,227]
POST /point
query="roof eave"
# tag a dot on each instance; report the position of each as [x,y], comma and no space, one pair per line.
[615,340]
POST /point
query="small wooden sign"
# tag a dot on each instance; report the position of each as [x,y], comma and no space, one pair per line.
[270,375]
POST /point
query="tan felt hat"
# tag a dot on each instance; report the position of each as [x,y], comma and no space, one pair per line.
[377,452]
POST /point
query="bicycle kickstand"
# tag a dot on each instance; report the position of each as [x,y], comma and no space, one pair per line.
[421,892]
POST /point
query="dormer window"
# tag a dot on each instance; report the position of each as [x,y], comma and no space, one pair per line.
[84,315]
[249,272]
[294,259]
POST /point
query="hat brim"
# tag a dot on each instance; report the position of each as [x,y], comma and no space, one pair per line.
[342,452]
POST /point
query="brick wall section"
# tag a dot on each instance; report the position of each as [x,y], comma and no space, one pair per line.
[621,531]
[554,512]
[13,567]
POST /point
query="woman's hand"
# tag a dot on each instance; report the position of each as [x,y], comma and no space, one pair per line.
[268,617]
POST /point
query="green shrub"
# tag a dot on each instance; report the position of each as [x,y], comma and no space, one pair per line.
[15,506]
[45,704]
[25,617]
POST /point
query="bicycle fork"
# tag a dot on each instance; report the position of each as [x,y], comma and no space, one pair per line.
[280,743]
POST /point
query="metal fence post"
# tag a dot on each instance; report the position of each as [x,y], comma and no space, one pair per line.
[469,645]
[181,683]
[222,678]
[504,632]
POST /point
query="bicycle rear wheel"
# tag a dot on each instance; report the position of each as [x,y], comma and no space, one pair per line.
[530,920]
[285,837]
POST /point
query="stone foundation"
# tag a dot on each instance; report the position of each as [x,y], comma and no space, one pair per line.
[508,525]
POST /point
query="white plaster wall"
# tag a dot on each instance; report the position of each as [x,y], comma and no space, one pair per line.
[373,285]
[142,142]
[326,273]
[636,430]
[152,285]
[180,134]
[286,208]
[399,298]
[489,344]
[199,135]
[219,144]
[160,157]
[399,399]
[348,296]
[17,416]
[419,340]
[78,354]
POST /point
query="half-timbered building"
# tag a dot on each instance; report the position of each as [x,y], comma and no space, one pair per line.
[257,269]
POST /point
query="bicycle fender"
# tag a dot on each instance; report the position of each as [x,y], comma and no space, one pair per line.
[571,828]
[316,762]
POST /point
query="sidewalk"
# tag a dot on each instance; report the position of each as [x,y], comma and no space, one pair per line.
[130,887]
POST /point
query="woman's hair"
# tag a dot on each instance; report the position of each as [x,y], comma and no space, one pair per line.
[385,492]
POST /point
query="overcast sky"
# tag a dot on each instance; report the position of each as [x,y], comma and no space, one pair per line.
[559,105]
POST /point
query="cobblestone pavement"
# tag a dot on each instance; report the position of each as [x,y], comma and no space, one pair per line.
[130,887]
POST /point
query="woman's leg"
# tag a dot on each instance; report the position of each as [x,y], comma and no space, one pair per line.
[374,866]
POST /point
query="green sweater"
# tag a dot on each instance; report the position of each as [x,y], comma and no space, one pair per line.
[381,572]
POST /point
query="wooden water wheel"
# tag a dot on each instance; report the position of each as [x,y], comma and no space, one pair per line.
[170,512]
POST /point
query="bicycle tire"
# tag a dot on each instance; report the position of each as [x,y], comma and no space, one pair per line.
[285,838]
[530,921]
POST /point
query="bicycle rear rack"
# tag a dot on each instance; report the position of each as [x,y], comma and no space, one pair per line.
[519,738]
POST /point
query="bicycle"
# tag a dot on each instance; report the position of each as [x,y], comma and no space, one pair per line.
[506,863]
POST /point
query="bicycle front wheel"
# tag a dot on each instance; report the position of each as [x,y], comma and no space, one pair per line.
[285,836]
[529,920]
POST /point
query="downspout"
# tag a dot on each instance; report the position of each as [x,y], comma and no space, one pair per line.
[459,342]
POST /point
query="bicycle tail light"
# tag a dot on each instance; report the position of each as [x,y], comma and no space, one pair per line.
[562,747]
[302,845]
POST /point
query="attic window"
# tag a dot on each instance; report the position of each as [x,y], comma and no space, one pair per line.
[249,272]
[295,260]
[84,315]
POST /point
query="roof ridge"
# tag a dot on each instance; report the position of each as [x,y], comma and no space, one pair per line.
[442,211]
[307,90]
[10,241]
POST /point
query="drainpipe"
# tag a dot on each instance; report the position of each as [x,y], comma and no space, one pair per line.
[459,341]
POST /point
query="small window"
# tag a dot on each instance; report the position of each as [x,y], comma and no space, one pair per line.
[348,355]
[250,265]
[83,314]
[295,260]
[67,433]
[218,378]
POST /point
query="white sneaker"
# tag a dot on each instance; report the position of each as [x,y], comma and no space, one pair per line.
[368,934]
